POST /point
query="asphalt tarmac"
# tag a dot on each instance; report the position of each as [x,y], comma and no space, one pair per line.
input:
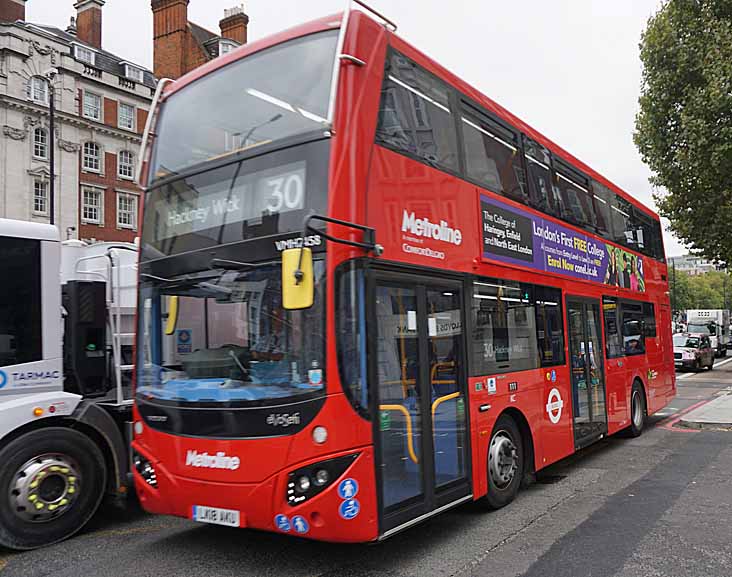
[658,505]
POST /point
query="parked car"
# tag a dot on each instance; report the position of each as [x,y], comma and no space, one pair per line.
[693,351]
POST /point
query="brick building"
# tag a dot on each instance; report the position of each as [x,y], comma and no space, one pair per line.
[101,101]
[180,45]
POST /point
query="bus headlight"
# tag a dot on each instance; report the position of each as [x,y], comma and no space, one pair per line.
[306,482]
[145,469]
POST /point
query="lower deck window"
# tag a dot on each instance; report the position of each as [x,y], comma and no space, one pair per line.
[516,326]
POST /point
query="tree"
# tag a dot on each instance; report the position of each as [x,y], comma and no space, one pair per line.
[704,291]
[684,125]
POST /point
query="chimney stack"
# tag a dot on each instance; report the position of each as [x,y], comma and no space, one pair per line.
[89,22]
[234,25]
[12,10]
[170,23]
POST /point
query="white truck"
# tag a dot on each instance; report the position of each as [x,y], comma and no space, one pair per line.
[712,322]
[66,318]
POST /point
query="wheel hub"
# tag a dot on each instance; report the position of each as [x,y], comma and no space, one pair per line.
[44,488]
[502,459]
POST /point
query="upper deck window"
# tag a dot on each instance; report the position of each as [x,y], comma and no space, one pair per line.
[492,156]
[415,115]
[272,95]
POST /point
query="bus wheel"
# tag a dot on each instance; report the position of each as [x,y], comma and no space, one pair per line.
[637,411]
[51,483]
[505,463]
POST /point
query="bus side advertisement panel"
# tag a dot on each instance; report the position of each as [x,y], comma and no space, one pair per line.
[514,236]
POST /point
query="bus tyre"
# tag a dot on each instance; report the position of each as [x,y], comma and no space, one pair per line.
[505,463]
[637,410]
[51,483]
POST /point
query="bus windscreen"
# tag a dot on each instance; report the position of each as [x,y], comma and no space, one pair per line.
[271,95]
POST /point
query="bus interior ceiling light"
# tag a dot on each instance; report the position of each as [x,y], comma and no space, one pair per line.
[285,105]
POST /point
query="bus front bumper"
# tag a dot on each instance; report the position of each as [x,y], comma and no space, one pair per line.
[264,505]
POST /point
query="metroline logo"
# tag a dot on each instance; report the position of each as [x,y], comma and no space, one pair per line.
[424,228]
[218,461]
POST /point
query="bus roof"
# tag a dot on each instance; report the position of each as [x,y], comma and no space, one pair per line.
[31,230]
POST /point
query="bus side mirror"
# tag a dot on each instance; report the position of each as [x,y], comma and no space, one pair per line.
[172,315]
[297,278]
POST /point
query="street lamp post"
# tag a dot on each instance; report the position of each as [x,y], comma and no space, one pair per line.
[50,75]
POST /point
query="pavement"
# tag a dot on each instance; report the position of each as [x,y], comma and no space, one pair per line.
[714,414]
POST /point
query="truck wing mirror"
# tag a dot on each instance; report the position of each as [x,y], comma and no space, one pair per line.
[297,279]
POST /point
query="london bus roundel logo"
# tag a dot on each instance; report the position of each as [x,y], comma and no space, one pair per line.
[554,406]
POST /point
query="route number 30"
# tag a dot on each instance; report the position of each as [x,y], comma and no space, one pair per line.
[287,193]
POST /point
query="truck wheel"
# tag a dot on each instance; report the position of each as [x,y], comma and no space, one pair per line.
[51,483]
[505,463]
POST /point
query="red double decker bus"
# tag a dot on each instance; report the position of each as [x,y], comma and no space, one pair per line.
[368,293]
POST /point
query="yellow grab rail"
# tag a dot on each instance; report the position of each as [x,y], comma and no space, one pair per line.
[403,410]
[437,402]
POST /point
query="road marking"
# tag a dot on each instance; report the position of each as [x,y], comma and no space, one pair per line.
[669,422]
[718,364]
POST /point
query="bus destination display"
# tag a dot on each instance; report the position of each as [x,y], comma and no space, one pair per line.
[514,236]
[247,196]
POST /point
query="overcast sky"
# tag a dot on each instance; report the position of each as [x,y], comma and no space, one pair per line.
[569,68]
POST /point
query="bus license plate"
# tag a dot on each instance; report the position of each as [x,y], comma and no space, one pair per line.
[216,516]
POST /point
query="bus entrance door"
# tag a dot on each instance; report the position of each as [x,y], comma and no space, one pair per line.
[418,367]
[588,374]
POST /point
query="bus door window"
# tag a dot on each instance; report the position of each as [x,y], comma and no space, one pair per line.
[577,355]
[444,329]
[597,379]
[400,419]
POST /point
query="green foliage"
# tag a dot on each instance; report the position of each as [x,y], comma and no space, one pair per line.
[684,126]
[704,291]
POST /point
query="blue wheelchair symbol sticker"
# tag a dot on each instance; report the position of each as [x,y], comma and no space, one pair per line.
[282,523]
[300,524]
[349,509]
[348,488]
[554,376]
[3,379]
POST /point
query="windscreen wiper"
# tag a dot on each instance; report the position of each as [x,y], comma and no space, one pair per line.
[186,278]
[233,264]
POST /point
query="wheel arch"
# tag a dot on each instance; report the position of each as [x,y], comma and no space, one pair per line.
[98,431]
[527,439]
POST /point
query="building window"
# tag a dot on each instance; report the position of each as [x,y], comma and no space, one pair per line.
[126,116]
[126,164]
[92,106]
[91,207]
[134,73]
[92,157]
[40,197]
[38,90]
[226,47]
[40,144]
[84,54]
[127,210]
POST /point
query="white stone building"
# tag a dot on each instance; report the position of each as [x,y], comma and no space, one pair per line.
[101,107]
